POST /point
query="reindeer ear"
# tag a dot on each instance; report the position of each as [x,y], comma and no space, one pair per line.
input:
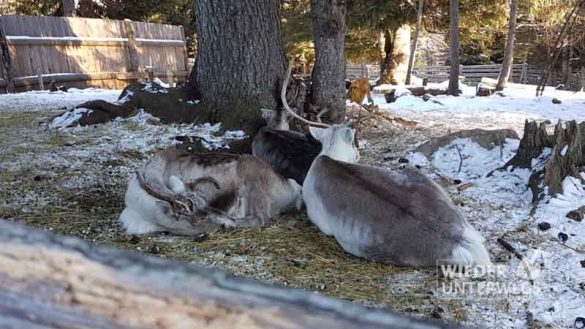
[348,135]
[318,133]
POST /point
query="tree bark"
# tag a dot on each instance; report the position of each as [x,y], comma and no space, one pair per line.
[328,78]
[240,63]
[70,8]
[506,69]
[412,57]
[397,48]
[454,47]
[567,157]
[51,282]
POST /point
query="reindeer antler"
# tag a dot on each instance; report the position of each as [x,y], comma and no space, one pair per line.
[194,208]
[285,103]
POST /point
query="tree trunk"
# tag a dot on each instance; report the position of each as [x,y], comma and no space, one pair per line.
[328,78]
[567,157]
[397,48]
[70,8]
[506,69]
[454,47]
[412,57]
[240,63]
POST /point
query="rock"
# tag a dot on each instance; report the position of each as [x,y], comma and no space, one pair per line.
[483,90]
[487,139]
[390,96]
[583,263]
[579,323]
[577,214]
[544,226]
[563,237]
[457,181]
[427,97]
[403,160]
[556,101]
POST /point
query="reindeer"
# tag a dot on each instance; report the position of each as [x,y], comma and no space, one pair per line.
[396,217]
[287,152]
[193,194]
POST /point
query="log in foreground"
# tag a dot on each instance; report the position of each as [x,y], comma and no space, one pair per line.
[49,281]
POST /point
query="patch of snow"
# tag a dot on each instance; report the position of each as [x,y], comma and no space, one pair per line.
[555,297]
[51,101]
[69,118]
[519,104]
[151,89]
[564,150]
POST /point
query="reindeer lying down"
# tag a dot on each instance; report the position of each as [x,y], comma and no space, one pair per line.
[191,194]
[397,217]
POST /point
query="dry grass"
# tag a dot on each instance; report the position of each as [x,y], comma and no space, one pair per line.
[291,251]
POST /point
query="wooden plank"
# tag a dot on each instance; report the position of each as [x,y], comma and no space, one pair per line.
[50,281]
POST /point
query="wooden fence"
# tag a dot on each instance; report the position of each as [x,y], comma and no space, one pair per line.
[84,52]
[521,73]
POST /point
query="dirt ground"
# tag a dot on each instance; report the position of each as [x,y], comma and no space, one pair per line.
[73,182]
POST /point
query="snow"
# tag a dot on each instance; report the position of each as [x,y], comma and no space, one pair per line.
[69,118]
[51,101]
[554,297]
[519,104]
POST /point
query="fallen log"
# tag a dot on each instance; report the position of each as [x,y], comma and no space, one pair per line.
[48,281]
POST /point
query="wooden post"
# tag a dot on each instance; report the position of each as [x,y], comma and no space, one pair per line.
[582,77]
[524,74]
[6,61]
[185,52]
[50,282]
[40,78]
[133,59]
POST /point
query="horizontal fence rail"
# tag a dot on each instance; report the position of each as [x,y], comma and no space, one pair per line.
[85,52]
[471,74]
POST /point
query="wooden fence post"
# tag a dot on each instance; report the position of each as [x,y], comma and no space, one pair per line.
[185,52]
[133,59]
[40,78]
[582,77]
[6,61]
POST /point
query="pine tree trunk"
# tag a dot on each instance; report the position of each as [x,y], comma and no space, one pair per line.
[397,47]
[328,78]
[70,8]
[412,57]
[454,47]
[240,61]
[506,69]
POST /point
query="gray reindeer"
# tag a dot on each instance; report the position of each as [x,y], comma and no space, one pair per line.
[192,194]
[396,217]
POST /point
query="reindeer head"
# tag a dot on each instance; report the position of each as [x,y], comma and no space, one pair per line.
[276,119]
[338,142]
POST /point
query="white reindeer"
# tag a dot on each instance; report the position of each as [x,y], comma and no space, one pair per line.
[397,217]
[192,194]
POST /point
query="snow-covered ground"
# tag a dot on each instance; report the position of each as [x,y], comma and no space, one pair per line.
[498,206]
[492,112]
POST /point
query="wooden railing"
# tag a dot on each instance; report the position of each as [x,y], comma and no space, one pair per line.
[88,52]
